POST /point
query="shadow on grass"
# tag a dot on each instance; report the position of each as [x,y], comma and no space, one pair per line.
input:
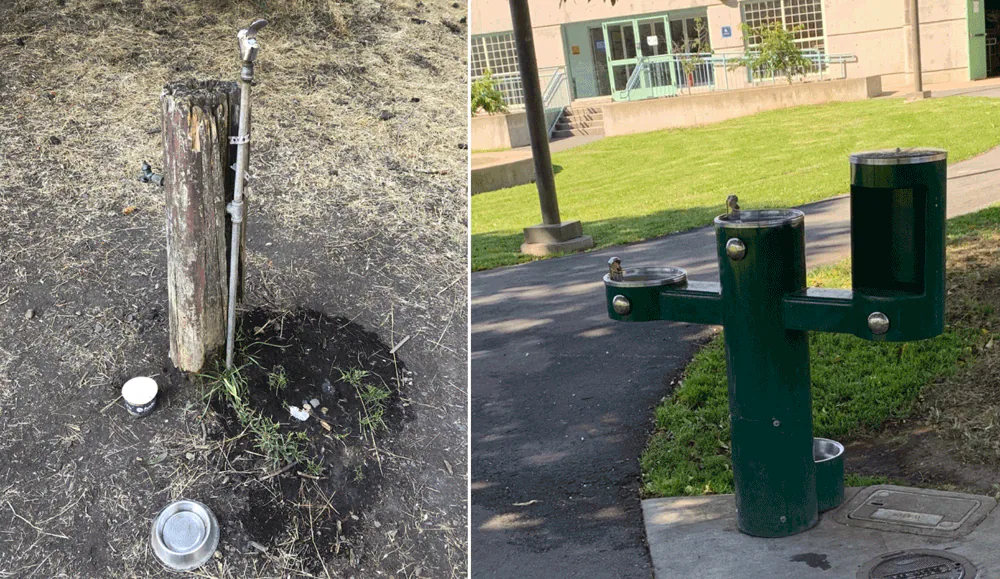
[497,249]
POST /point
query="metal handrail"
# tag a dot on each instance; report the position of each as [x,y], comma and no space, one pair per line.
[633,79]
[550,92]
[729,61]
[550,89]
[509,83]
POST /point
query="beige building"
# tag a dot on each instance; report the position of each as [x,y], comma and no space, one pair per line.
[597,45]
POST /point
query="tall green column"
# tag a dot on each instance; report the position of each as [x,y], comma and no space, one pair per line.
[761,259]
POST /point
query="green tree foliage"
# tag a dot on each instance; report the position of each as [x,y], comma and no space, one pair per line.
[692,51]
[486,97]
[775,51]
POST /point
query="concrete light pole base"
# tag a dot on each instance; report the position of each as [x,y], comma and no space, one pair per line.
[565,237]
[918,96]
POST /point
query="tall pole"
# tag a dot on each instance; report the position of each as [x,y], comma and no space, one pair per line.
[534,108]
[918,81]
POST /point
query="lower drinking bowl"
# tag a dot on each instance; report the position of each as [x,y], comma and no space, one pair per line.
[185,535]
[829,457]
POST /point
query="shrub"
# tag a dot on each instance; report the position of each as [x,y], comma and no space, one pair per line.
[487,97]
[776,51]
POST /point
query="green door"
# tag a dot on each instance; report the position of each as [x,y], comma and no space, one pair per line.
[620,48]
[977,38]
[627,41]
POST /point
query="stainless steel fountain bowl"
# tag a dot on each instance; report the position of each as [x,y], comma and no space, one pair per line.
[648,277]
[185,535]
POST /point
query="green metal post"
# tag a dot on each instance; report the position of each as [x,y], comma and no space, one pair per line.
[762,258]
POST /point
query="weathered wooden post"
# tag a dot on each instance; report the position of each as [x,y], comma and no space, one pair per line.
[198,118]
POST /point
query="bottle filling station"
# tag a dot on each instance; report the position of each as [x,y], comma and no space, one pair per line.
[783,476]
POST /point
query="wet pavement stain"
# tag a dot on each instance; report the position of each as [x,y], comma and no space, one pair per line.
[814,560]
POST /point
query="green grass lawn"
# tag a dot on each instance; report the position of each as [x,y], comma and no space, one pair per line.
[857,386]
[636,187]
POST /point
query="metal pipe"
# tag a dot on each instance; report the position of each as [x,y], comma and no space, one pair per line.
[248,54]
[918,80]
[534,109]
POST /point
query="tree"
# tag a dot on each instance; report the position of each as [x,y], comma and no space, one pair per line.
[775,50]
[691,51]
[487,97]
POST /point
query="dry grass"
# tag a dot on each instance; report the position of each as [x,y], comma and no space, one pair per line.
[966,408]
[363,217]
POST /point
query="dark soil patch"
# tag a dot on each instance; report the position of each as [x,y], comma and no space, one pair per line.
[920,456]
[312,353]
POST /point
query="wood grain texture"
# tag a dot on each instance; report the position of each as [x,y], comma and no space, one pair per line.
[197,117]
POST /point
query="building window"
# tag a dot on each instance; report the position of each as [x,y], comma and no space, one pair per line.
[495,52]
[807,14]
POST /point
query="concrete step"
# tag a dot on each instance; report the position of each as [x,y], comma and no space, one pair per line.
[598,117]
[557,134]
[570,124]
[584,110]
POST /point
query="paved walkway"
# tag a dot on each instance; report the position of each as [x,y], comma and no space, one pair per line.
[501,157]
[562,396]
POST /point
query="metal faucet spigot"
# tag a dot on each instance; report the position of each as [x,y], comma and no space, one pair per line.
[732,204]
[148,176]
[249,47]
[615,271]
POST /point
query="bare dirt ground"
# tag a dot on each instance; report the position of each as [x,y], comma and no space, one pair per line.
[952,441]
[357,212]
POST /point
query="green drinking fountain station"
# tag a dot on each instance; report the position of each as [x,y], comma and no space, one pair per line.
[783,476]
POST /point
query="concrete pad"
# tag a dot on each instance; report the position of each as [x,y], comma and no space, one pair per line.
[542,249]
[697,537]
[555,233]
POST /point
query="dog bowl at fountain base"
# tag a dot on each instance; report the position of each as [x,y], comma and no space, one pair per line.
[829,457]
[185,535]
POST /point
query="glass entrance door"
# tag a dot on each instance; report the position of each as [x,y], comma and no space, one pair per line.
[626,42]
[620,45]
[598,44]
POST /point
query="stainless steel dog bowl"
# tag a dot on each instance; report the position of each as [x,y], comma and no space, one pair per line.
[185,535]
[829,457]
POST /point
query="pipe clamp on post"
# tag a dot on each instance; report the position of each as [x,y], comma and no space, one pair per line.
[240,139]
[235,209]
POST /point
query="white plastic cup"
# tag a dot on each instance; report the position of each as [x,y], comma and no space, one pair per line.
[139,395]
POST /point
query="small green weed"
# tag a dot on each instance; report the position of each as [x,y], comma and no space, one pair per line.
[354,376]
[277,380]
[279,448]
[373,399]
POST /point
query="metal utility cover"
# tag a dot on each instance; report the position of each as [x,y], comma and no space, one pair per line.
[916,511]
[918,564]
